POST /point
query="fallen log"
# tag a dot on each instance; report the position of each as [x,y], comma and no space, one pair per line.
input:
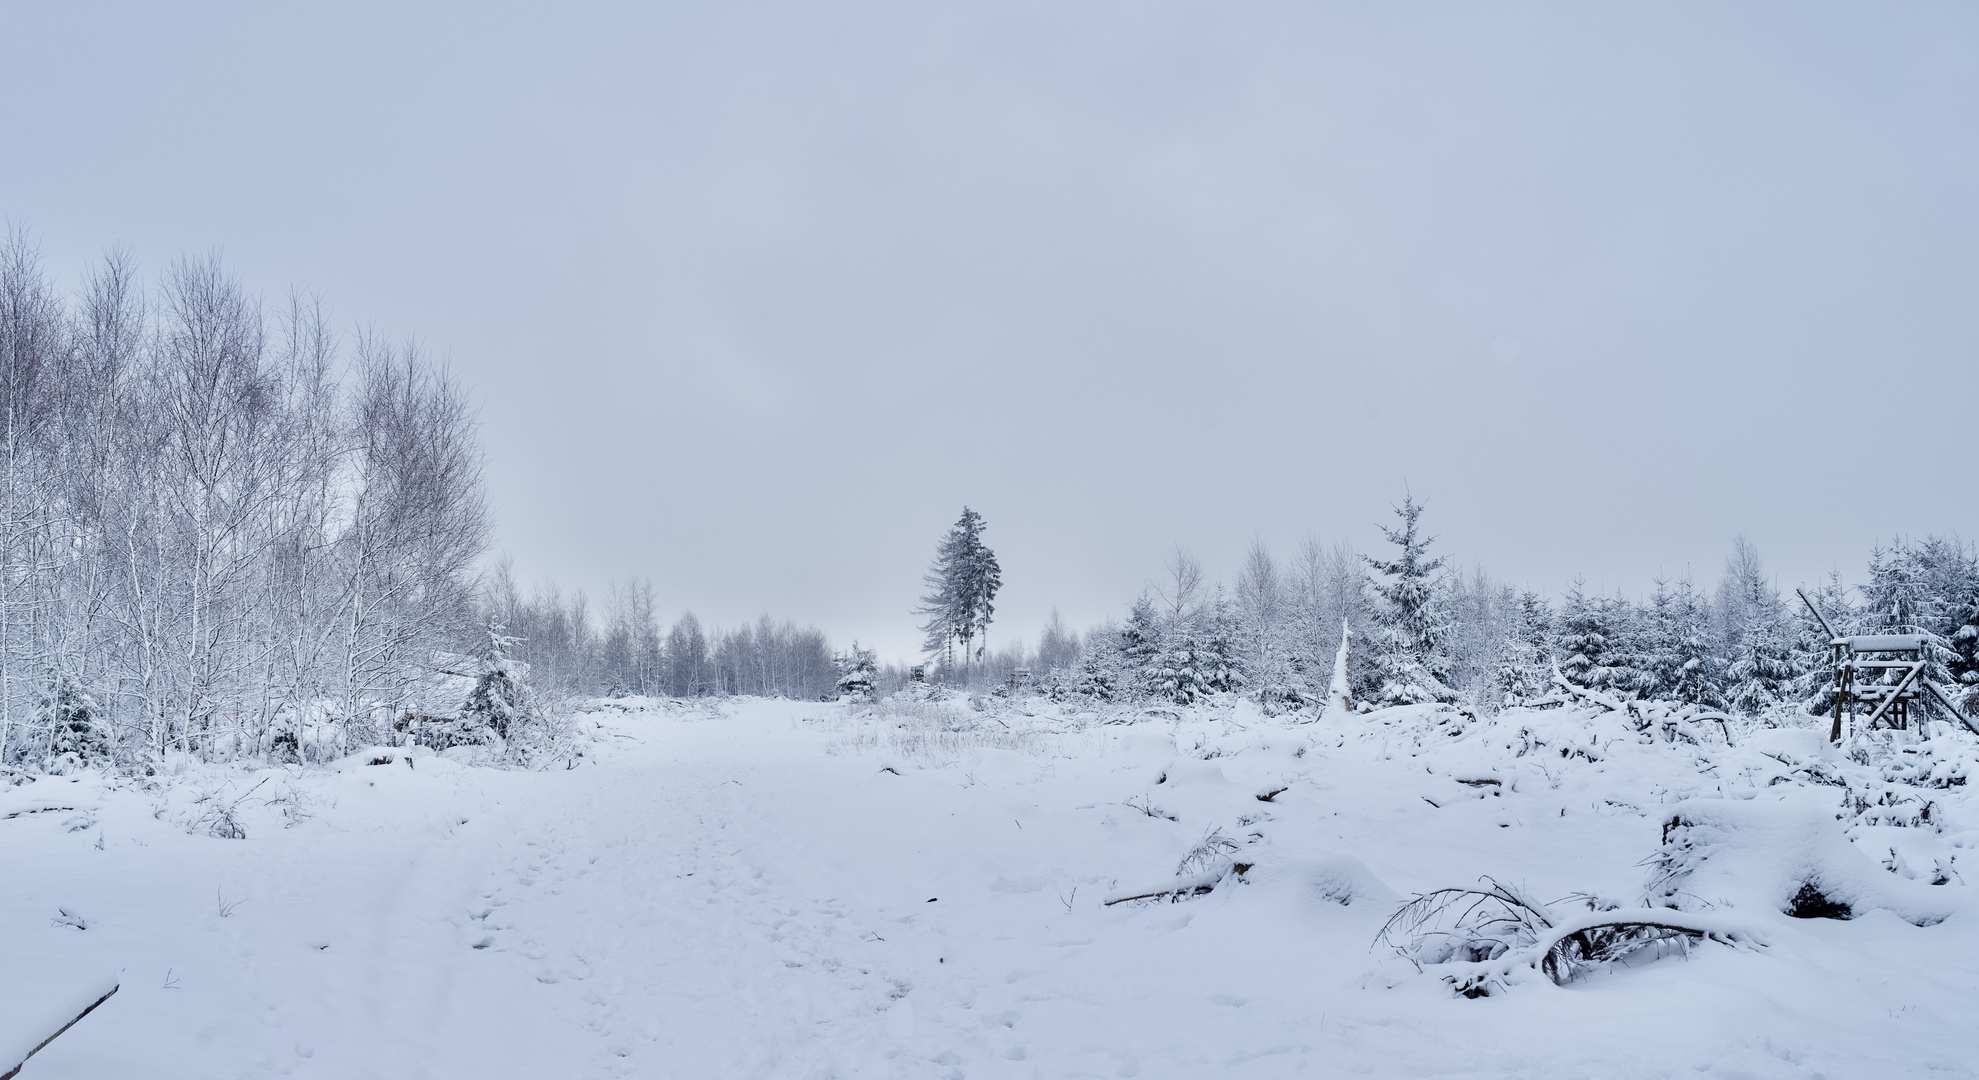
[18,1046]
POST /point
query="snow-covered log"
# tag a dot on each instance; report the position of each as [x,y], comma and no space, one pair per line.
[22,1038]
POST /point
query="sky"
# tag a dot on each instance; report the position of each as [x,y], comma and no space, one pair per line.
[755,297]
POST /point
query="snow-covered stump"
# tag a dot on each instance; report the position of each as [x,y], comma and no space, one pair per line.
[20,1042]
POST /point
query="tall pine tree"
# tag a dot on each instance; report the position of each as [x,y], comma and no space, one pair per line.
[1413,625]
[962,587]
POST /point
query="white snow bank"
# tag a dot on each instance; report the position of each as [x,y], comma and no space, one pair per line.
[1785,854]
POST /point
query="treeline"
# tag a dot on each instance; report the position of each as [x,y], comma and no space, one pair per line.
[1425,632]
[222,529]
[226,530]
[623,650]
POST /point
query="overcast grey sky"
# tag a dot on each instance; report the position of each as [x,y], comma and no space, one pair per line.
[755,297]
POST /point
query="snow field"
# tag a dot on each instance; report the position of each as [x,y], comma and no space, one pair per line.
[917,890]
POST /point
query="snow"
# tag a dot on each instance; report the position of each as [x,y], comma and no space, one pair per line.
[917,889]
[1886,643]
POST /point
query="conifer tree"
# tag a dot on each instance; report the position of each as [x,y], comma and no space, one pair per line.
[1898,597]
[1762,671]
[1683,666]
[70,717]
[1525,671]
[962,587]
[497,707]
[1813,650]
[1964,611]
[1198,656]
[856,671]
[1140,644]
[1586,641]
[1221,670]
[1413,626]
[1099,671]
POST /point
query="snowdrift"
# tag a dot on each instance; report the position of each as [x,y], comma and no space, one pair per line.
[1010,887]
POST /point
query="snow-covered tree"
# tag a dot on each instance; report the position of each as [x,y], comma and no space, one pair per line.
[1263,626]
[1101,672]
[1681,663]
[1058,646]
[497,707]
[1587,642]
[1928,587]
[1813,650]
[962,587]
[856,671]
[1174,675]
[1963,627]
[689,671]
[1525,670]
[1217,656]
[1411,620]
[1139,646]
[70,717]
[1761,672]
[1899,596]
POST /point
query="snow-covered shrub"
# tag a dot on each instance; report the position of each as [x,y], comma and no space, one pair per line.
[1214,852]
[1485,939]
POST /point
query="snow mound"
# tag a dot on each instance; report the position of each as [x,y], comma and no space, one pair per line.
[1345,880]
[1786,854]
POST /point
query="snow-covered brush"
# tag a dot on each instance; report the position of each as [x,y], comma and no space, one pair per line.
[221,818]
[1465,925]
[1670,721]
[1484,939]
[1205,866]
[1213,852]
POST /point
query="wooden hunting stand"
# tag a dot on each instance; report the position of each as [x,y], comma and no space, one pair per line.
[1882,674]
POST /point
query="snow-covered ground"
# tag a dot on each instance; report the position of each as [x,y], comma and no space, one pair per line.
[790,890]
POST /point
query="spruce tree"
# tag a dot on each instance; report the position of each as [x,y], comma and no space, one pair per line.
[1140,645]
[1899,597]
[857,671]
[1813,649]
[1630,671]
[1413,626]
[1684,668]
[1098,673]
[962,587]
[1218,660]
[70,717]
[1761,672]
[1964,610]
[497,707]
[1526,667]
[1197,657]
[1586,641]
